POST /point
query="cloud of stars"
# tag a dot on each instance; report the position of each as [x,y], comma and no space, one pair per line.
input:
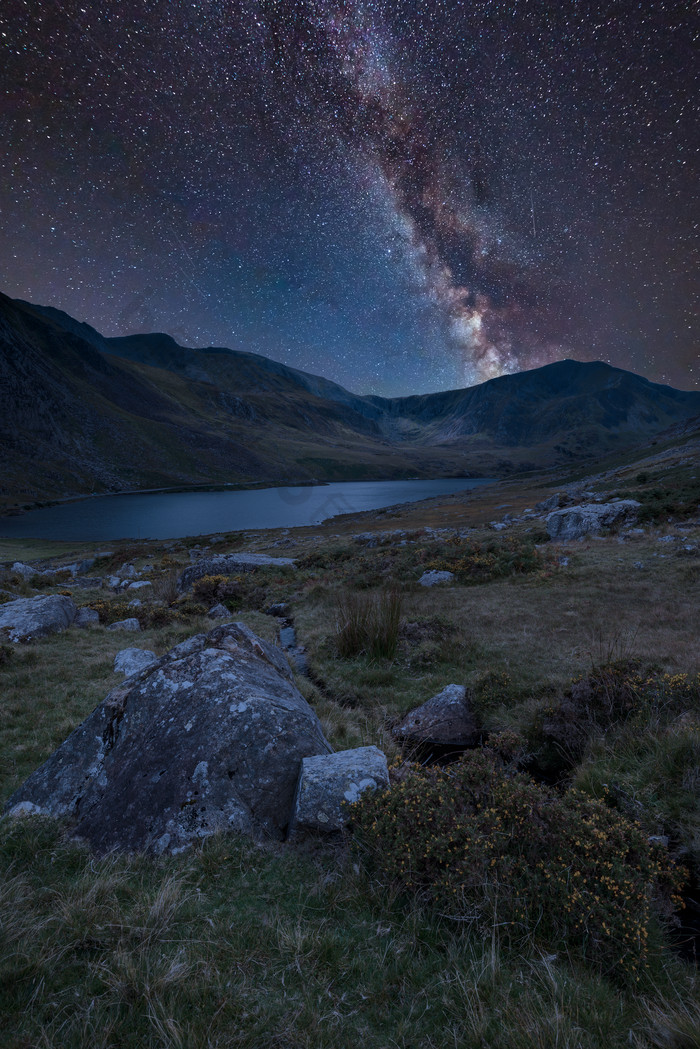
[402,196]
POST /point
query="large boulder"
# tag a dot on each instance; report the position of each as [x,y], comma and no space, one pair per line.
[210,737]
[230,564]
[328,781]
[32,617]
[445,719]
[577,521]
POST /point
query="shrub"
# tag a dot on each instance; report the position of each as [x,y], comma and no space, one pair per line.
[368,623]
[494,849]
[481,562]
[212,588]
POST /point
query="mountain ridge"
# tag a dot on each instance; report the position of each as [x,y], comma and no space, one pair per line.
[80,412]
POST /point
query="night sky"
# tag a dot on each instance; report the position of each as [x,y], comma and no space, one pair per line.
[401,195]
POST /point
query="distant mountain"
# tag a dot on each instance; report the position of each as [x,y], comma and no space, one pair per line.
[80,412]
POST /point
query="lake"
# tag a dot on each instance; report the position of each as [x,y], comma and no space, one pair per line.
[172,515]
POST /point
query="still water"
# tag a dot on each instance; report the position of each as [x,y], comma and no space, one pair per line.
[171,515]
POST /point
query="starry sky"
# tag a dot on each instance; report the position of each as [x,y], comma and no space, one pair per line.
[401,195]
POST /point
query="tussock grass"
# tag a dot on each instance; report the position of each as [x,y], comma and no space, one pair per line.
[368,623]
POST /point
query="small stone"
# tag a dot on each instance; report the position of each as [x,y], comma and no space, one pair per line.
[329,782]
[140,585]
[125,624]
[219,611]
[132,660]
[435,578]
[86,617]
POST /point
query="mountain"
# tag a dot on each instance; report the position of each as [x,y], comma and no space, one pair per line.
[80,412]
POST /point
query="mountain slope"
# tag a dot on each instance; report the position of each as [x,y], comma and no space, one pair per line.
[80,412]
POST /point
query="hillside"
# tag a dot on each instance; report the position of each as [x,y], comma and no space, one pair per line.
[81,413]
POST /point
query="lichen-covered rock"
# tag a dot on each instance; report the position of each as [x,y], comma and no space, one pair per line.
[445,718]
[328,781]
[32,617]
[590,518]
[219,611]
[211,737]
[230,564]
[132,660]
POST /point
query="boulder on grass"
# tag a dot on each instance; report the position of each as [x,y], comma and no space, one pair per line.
[328,781]
[230,564]
[435,578]
[86,616]
[126,624]
[445,719]
[132,660]
[210,738]
[590,518]
[32,617]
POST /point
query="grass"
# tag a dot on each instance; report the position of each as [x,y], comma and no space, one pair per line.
[237,944]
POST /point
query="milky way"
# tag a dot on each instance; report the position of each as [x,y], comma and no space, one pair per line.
[402,196]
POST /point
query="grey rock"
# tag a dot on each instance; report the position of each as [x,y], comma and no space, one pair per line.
[230,564]
[211,737]
[26,808]
[114,582]
[141,585]
[86,617]
[553,502]
[25,571]
[435,578]
[219,611]
[133,660]
[328,782]
[32,617]
[445,718]
[135,602]
[667,539]
[280,609]
[498,526]
[125,624]
[127,571]
[577,521]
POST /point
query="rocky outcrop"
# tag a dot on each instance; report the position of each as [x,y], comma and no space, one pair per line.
[32,617]
[211,737]
[328,782]
[230,564]
[590,518]
[446,719]
[131,624]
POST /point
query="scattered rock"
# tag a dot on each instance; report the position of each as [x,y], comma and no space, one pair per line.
[230,564]
[135,603]
[127,572]
[211,737]
[132,660]
[85,617]
[498,526]
[328,781]
[28,618]
[577,521]
[219,611]
[139,585]
[446,718]
[435,578]
[280,609]
[125,624]
[667,539]
[25,571]
[553,502]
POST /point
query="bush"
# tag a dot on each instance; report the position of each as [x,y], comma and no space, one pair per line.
[482,562]
[493,848]
[368,623]
[218,588]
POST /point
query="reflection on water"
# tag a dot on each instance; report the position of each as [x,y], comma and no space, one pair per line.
[171,515]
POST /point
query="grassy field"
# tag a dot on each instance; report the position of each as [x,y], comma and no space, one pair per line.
[242,944]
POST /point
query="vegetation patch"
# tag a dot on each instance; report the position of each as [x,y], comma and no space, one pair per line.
[491,848]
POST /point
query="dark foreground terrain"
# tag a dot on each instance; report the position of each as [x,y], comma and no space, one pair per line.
[319,944]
